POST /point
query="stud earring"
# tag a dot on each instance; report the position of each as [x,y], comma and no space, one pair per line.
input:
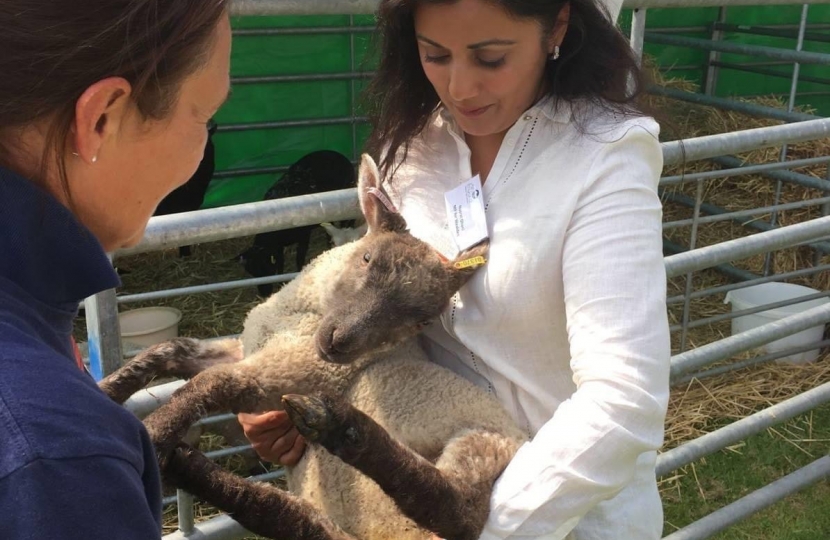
[94,159]
[555,55]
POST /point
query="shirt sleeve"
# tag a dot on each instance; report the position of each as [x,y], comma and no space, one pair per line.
[73,499]
[615,293]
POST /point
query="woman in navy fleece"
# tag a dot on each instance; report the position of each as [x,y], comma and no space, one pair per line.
[104,106]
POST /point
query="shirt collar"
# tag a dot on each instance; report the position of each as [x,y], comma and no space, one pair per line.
[45,250]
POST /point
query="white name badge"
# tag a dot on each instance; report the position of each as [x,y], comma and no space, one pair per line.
[465,213]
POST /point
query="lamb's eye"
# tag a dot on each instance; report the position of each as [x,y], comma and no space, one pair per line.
[367,257]
[424,324]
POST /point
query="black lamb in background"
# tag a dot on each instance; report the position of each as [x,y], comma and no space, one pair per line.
[323,170]
[191,195]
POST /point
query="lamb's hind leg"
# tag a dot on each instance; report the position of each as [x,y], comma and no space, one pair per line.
[450,498]
[181,357]
[261,508]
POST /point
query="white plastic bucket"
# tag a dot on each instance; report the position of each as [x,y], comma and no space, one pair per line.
[147,326]
[767,293]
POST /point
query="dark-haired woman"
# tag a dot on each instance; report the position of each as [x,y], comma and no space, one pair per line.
[104,107]
[566,323]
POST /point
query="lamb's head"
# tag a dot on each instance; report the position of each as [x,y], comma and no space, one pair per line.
[392,284]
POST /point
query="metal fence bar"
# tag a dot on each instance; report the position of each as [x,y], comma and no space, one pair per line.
[743,169]
[750,283]
[740,48]
[790,105]
[720,370]
[757,224]
[825,211]
[771,31]
[761,335]
[769,72]
[246,219]
[314,77]
[231,450]
[184,500]
[103,334]
[742,141]
[741,429]
[726,269]
[216,419]
[638,29]
[731,105]
[711,80]
[687,304]
[787,176]
[745,213]
[143,402]
[210,287]
[751,311]
[282,124]
[740,248]
[754,502]
[353,90]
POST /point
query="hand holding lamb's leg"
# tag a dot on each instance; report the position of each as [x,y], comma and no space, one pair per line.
[181,357]
[461,481]
[219,389]
[261,508]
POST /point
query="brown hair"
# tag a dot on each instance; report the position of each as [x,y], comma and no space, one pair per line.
[596,64]
[53,50]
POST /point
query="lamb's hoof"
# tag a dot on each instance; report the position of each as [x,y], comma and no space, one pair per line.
[312,418]
[323,420]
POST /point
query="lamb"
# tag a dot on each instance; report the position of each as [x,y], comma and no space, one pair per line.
[323,170]
[400,448]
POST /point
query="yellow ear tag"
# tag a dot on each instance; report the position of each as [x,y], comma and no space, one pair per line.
[470,263]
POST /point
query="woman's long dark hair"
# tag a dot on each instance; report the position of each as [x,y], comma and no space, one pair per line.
[596,64]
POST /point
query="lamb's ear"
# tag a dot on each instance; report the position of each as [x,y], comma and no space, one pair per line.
[465,263]
[376,205]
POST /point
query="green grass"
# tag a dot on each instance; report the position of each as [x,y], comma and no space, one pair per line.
[728,475]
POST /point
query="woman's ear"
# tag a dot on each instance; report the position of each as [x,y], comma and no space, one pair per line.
[98,114]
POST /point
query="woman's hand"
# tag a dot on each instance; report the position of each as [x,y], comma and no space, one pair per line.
[273,436]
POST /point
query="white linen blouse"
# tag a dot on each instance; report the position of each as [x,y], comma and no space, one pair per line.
[566,323]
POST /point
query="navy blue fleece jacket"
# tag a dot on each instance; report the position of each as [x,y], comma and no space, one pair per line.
[73,464]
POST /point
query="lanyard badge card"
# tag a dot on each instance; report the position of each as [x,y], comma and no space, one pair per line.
[466,220]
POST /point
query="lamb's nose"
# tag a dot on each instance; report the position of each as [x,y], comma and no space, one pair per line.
[339,341]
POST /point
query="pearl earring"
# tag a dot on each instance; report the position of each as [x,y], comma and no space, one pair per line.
[94,159]
[555,55]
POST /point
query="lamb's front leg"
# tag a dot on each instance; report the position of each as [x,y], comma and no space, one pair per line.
[261,508]
[451,499]
[221,388]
